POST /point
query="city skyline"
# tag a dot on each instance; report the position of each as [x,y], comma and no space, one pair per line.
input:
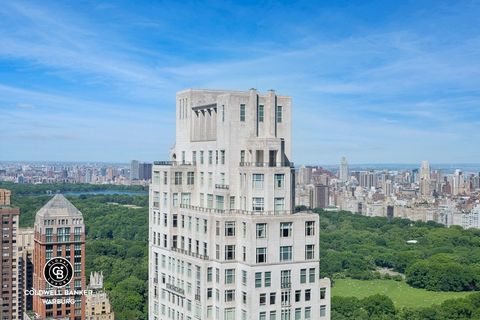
[377,83]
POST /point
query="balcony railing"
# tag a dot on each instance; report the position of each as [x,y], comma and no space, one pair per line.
[221,186]
[190,253]
[173,163]
[267,164]
[175,289]
[285,285]
[236,211]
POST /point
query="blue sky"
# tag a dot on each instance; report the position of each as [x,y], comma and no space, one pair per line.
[376,81]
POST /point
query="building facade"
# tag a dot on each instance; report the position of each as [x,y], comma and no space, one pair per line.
[97,304]
[225,242]
[8,251]
[59,232]
[25,245]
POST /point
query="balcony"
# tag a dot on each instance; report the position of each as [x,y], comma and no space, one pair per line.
[222,186]
[285,285]
[173,163]
[190,253]
[235,211]
[175,289]
[267,164]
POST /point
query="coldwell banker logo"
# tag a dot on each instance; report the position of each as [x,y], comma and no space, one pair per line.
[58,272]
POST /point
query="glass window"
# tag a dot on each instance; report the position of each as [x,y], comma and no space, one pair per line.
[268,279]
[261,230]
[258,204]
[285,279]
[285,229]
[229,295]
[242,156]
[220,202]
[230,252]
[279,114]
[309,228]
[201,157]
[242,113]
[323,292]
[309,252]
[308,312]
[257,181]
[279,204]
[303,275]
[229,228]
[272,297]
[258,279]
[285,253]
[178,178]
[279,180]
[190,177]
[210,156]
[263,299]
[323,311]
[261,255]
[222,156]
[229,276]
[261,113]
[311,275]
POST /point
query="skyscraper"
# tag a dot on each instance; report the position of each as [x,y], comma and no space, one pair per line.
[343,173]
[424,180]
[59,232]
[8,252]
[222,224]
[25,246]
[134,170]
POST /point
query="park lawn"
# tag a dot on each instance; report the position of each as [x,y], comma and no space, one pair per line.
[401,293]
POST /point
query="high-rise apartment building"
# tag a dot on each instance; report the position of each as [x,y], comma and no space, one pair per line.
[59,232]
[225,242]
[424,180]
[134,170]
[25,246]
[343,173]
[8,252]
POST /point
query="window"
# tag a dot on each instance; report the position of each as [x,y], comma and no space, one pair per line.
[261,113]
[244,277]
[194,157]
[285,299]
[165,177]
[285,253]
[285,229]
[308,312]
[210,201]
[242,113]
[309,252]
[229,276]
[244,297]
[298,295]
[257,181]
[258,204]
[230,252]
[272,297]
[210,156]
[303,275]
[222,156]
[201,157]
[279,114]
[202,178]
[175,199]
[279,204]
[232,202]
[209,274]
[261,255]
[323,311]
[220,202]
[279,181]
[298,313]
[229,228]
[210,179]
[258,279]
[217,228]
[323,293]
[178,178]
[268,279]
[242,156]
[307,295]
[309,228]
[261,230]
[285,279]
[190,177]
[263,299]
[273,315]
[311,275]
[222,113]
[229,295]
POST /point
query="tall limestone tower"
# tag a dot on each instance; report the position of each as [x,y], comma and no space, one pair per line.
[225,242]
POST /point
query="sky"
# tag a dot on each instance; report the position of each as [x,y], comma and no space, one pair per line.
[375,81]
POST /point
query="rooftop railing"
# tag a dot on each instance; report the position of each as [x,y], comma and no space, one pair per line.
[173,163]
[267,164]
[236,211]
